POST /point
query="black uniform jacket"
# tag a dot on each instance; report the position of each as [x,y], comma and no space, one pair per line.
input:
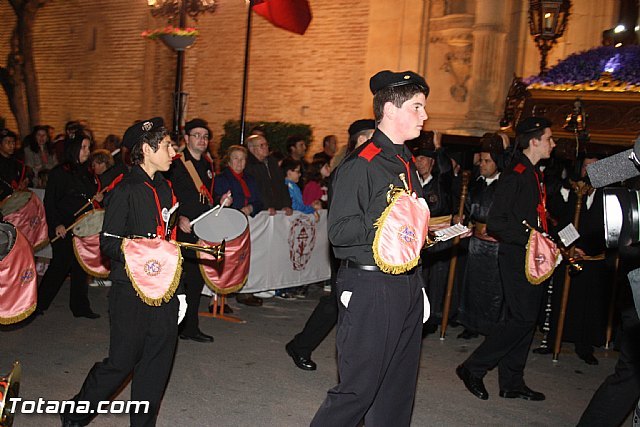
[480,200]
[270,178]
[191,204]
[516,199]
[68,188]
[359,194]
[11,171]
[131,210]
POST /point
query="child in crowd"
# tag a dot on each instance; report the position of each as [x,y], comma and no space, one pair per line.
[292,171]
[315,187]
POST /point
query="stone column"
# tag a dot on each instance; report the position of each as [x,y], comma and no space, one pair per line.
[488,80]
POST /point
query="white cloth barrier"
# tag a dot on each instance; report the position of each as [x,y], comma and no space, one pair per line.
[287,251]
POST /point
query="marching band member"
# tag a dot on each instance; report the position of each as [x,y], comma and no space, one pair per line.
[193,177]
[143,336]
[520,195]
[69,187]
[379,320]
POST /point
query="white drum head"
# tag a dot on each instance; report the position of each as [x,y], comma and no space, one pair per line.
[15,202]
[226,224]
[89,223]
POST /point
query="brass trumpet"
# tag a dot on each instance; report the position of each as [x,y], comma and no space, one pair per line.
[216,251]
[9,389]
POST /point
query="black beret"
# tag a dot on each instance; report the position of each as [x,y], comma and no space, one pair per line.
[388,78]
[532,124]
[133,135]
[197,123]
[5,133]
[361,125]
[423,145]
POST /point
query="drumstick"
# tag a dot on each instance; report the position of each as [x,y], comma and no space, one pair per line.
[222,205]
[66,229]
[210,211]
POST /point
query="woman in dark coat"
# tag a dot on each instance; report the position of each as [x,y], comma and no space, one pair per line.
[243,187]
[69,187]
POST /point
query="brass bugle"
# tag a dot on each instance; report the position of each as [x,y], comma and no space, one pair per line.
[572,260]
[216,251]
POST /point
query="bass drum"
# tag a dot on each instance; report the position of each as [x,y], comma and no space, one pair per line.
[25,210]
[230,274]
[18,278]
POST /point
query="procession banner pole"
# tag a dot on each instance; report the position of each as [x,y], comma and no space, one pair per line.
[454,257]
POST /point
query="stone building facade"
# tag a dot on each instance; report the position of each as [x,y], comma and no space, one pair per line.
[93,64]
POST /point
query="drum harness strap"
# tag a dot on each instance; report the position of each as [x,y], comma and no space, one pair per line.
[204,192]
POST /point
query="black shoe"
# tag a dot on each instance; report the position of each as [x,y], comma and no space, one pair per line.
[467,334]
[303,363]
[249,299]
[66,422]
[429,328]
[524,393]
[198,337]
[589,359]
[473,384]
[88,315]
[542,350]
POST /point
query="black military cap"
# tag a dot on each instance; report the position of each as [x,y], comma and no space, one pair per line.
[388,78]
[361,125]
[197,123]
[423,145]
[491,142]
[134,133]
[532,124]
[6,133]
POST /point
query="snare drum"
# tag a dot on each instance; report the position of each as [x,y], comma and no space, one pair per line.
[18,279]
[15,202]
[232,226]
[86,244]
[26,212]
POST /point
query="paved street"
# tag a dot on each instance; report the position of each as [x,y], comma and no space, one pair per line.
[245,378]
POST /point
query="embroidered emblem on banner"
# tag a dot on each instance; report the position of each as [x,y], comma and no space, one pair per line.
[34,222]
[407,234]
[152,267]
[302,240]
[27,275]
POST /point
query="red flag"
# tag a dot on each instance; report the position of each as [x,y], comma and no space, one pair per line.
[291,15]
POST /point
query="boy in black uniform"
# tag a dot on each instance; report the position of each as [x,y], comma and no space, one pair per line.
[143,337]
[379,320]
[520,195]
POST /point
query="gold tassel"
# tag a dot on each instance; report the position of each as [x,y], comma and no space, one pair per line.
[18,318]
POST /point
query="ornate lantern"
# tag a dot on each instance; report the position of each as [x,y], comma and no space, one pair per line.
[547,22]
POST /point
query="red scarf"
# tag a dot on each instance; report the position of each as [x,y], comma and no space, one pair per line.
[245,187]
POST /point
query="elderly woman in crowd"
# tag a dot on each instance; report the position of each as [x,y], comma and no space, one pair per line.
[243,187]
[38,151]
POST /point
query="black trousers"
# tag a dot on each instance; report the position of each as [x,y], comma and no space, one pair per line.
[618,394]
[64,262]
[193,282]
[378,343]
[143,342]
[507,344]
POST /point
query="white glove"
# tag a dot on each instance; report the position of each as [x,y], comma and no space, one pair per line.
[182,309]
[427,307]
